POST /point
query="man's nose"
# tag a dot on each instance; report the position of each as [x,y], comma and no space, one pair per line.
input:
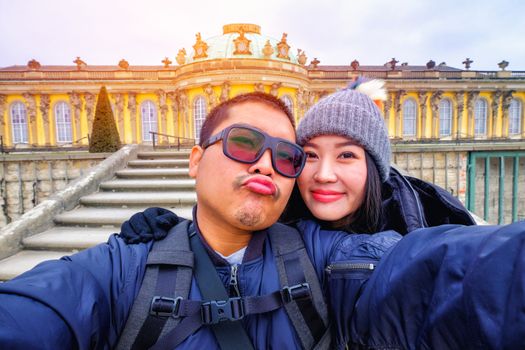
[263,165]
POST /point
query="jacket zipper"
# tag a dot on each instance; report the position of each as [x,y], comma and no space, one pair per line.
[350,266]
[234,283]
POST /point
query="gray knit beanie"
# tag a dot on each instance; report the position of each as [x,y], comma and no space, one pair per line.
[352,114]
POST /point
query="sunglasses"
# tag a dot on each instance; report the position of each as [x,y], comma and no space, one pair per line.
[246,144]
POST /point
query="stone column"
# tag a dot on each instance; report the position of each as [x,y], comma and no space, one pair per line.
[31,117]
[163,108]
[3,102]
[90,109]
[76,103]
[496,95]
[435,98]
[119,115]
[44,109]
[460,106]
[471,97]
[397,109]
[132,107]
[225,91]
[421,123]
[172,96]
[387,106]
[506,99]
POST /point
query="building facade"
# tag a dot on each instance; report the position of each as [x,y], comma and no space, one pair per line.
[442,120]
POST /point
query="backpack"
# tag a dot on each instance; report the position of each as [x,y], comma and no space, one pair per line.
[162,316]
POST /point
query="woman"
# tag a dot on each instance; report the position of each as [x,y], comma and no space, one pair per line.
[347,183]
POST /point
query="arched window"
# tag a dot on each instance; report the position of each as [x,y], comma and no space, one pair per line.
[63,122]
[19,122]
[288,102]
[480,117]
[149,119]
[199,115]
[445,117]
[515,113]
[409,117]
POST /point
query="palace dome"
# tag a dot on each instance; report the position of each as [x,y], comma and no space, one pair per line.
[242,40]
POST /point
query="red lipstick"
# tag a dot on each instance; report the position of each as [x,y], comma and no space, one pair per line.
[326,196]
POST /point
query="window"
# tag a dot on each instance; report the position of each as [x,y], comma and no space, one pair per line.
[288,102]
[63,122]
[480,117]
[149,119]
[445,117]
[409,117]
[199,115]
[19,122]
[515,112]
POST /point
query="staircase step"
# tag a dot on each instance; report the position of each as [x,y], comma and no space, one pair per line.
[129,199]
[159,163]
[26,260]
[148,185]
[69,238]
[104,217]
[182,154]
[152,173]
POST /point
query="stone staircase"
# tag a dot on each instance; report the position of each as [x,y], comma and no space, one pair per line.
[157,178]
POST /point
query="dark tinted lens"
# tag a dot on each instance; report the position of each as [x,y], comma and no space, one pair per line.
[288,159]
[244,144]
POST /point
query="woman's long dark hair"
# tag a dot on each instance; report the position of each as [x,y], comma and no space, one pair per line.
[366,219]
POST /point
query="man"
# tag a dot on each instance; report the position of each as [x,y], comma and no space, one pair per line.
[245,169]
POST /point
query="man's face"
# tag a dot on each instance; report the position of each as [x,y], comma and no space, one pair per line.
[246,197]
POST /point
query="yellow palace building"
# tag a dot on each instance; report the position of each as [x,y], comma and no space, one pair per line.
[448,125]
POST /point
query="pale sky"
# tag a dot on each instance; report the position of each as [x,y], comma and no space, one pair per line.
[143,32]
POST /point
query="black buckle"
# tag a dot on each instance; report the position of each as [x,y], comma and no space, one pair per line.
[216,311]
[165,306]
[299,291]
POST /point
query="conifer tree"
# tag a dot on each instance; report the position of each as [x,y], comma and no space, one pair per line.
[104,134]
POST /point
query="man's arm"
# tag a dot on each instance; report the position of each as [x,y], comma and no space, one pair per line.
[82,300]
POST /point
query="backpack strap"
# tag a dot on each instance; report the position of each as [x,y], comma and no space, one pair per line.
[309,316]
[168,273]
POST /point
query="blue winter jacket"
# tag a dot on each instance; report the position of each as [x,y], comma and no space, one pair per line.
[82,301]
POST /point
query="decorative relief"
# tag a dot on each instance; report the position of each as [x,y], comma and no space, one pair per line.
[181,57]
[212,99]
[132,107]
[387,105]
[80,64]
[76,103]
[259,87]
[274,89]
[422,99]
[471,98]
[119,109]
[397,99]
[163,108]
[506,99]
[301,102]
[301,57]
[460,107]
[33,64]
[225,91]
[31,114]
[123,64]
[242,44]
[283,48]
[496,96]
[3,103]
[200,47]
[44,108]
[267,51]
[435,98]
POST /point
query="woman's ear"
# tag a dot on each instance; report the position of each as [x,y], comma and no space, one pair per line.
[195,158]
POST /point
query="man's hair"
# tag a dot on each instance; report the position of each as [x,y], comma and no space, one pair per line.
[366,219]
[220,112]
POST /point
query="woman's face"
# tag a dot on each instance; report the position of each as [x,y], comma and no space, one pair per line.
[333,181]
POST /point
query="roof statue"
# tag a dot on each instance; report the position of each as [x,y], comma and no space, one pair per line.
[123,64]
[166,62]
[80,64]
[181,57]
[200,47]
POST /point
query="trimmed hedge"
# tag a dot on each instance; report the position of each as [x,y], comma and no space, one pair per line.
[104,134]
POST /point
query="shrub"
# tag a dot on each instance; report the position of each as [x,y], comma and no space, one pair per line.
[104,134]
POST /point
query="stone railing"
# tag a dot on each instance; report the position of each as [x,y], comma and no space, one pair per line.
[41,217]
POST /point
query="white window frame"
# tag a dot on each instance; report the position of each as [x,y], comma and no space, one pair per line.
[480,117]
[199,116]
[409,118]
[149,119]
[445,117]
[64,131]
[19,122]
